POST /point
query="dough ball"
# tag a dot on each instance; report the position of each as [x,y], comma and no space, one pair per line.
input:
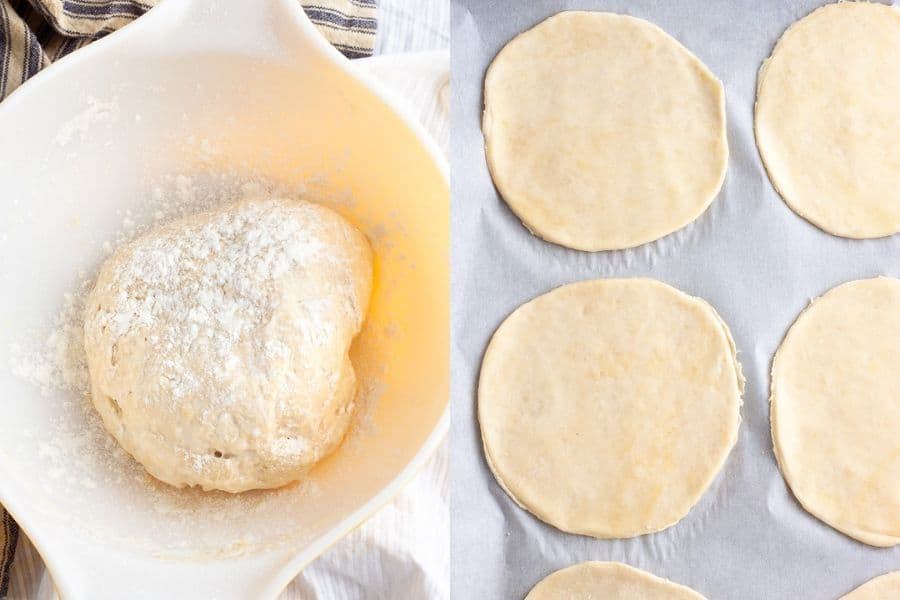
[836,409]
[886,587]
[218,344]
[602,131]
[828,118]
[608,581]
[608,406]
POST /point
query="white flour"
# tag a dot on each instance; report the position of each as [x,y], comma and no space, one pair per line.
[210,285]
[95,113]
[57,362]
[86,463]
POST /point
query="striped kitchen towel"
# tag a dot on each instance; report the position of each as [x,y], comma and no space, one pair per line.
[34,33]
[9,535]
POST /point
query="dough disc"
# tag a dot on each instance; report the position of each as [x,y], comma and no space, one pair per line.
[886,587]
[608,406]
[602,131]
[836,409]
[828,115]
[610,581]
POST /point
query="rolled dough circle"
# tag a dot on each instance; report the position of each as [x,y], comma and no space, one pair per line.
[835,409]
[608,406]
[828,117]
[218,345]
[602,131]
[610,581]
[885,587]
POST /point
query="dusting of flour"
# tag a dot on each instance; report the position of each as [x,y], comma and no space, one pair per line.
[212,289]
[78,127]
[77,449]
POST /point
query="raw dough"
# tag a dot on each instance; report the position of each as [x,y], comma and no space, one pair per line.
[828,118]
[608,581]
[836,409]
[608,406]
[886,587]
[602,131]
[218,344]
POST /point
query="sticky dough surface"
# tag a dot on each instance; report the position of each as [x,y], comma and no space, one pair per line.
[218,345]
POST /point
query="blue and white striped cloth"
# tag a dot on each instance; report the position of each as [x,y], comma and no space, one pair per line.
[34,33]
[9,535]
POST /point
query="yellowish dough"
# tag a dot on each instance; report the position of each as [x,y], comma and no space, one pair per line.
[885,587]
[602,131]
[828,118]
[835,408]
[608,581]
[218,344]
[608,406]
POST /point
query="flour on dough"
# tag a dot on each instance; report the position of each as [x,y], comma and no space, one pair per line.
[218,345]
[828,118]
[835,409]
[602,131]
[607,406]
[608,581]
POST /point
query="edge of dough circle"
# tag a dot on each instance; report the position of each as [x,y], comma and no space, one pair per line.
[610,580]
[602,131]
[835,409]
[883,587]
[827,113]
[608,406]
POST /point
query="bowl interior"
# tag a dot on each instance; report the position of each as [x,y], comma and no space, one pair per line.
[117,139]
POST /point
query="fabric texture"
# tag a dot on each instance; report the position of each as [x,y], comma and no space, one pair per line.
[9,535]
[406,26]
[34,33]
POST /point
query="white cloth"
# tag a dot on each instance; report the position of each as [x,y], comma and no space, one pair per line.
[401,553]
[412,26]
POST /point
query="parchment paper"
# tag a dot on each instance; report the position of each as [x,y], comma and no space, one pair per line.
[749,255]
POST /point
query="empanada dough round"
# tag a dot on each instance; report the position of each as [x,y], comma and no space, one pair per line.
[608,581]
[602,131]
[885,587]
[835,409]
[218,344]
[608,406]
[828,118]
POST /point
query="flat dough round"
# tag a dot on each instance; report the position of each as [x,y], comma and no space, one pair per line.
[608,406]
[609,581]
[885,587]
[836,409]
[602,131]
[828,117]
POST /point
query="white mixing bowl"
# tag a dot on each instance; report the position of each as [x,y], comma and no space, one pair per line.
[97,141]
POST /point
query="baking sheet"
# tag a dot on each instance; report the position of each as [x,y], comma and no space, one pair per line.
[749,255]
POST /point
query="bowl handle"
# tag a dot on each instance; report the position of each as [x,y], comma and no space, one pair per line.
[269,28]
